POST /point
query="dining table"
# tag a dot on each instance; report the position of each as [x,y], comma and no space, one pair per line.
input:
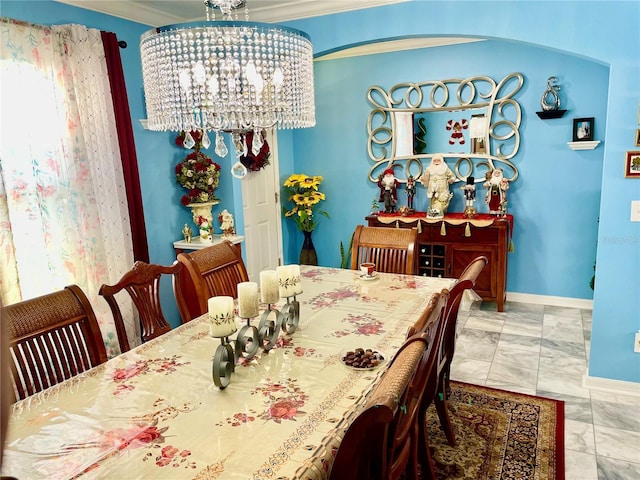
[155,412]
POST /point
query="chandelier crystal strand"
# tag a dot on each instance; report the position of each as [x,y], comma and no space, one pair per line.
[227,75]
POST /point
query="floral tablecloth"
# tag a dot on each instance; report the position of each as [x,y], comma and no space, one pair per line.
[154,412]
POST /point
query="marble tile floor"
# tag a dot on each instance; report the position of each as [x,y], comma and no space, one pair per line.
[543,350]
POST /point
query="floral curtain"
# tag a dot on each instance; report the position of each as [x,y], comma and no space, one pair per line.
[63,208]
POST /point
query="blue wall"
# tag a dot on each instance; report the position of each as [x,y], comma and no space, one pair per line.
[556,195]
[594,49]
[604,32]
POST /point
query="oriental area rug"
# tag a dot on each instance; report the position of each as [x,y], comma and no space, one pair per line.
[499,435]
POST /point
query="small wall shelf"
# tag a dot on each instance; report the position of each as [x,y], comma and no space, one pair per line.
[145,123]
[548,114]
[583,145]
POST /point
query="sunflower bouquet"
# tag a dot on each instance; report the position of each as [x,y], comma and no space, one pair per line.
[305,196]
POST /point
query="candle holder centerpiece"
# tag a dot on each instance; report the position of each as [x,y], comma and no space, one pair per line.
[285,282]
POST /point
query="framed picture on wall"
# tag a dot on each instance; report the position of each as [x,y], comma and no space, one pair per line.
[632,165]
[583,129]
[638,137]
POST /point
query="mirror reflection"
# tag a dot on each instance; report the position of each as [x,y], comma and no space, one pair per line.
[456,131]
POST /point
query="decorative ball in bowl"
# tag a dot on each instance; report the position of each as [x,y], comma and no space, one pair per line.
[362,358]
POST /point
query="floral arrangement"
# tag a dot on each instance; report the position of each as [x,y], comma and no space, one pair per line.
[255,162]
[304,193]
[197,173]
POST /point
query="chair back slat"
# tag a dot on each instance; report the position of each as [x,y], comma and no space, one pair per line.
[391,249]
[57,351]
[209,272]
[142,284]
[54,337]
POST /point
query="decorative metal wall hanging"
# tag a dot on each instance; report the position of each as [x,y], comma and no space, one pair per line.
[391,143]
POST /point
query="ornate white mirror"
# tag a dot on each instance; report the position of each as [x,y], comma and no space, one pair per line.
[474,123]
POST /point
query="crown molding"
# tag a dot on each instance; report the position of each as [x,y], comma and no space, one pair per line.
[395,46]
[138,12]
[167,12]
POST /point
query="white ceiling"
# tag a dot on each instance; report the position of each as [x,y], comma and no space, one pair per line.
[166,12]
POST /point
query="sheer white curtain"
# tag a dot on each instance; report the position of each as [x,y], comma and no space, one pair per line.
[63,207]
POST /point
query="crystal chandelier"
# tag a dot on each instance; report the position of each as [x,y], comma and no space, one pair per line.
[227,75]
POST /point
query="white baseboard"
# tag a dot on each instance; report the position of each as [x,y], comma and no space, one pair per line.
[609,385]
[549,300]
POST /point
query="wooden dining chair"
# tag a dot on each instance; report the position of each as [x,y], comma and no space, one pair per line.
[425,317]
[406,441]
[466,281]
[212,271]
[53,337]
[391,249]
[383,440]
[142,283]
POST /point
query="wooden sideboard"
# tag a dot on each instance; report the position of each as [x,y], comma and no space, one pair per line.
[446,246]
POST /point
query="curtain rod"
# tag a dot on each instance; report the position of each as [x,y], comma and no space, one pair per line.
[121,43]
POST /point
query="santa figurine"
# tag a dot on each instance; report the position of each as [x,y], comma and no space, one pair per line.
[436,178]
[226,223]
[496,196]
[388,190]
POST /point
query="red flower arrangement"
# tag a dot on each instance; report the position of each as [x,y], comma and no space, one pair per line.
[197,173]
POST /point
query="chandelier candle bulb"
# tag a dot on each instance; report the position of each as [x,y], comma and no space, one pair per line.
[221,317]
[269,292]
[248,306]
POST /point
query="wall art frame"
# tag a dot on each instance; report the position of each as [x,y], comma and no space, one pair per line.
[583,129]
[389,143]
[632,164]
[638,137]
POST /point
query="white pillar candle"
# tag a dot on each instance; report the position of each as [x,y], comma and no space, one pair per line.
[269,292]
[248,305]
[297,279]
[285,281]
[221,317]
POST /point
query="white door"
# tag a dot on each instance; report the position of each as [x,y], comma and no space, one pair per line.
[262,220]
